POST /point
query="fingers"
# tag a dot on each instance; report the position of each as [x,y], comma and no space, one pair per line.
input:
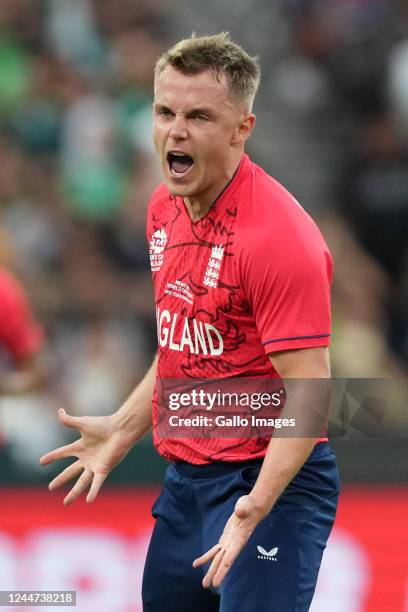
[80,486]
[217,554]
[232,541]
[69,450]
[97,482]
[207,556]
[70,472]
[213,569]
[220,566]
[225,565]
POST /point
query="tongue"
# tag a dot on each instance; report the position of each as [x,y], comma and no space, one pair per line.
[180,165]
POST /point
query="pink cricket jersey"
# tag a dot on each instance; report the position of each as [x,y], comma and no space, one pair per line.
[250,278]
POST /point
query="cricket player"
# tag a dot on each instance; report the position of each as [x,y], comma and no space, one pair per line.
[22,367]
[242,278]
[22,363]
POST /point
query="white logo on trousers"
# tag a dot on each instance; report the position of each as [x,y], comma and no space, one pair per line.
[268,556]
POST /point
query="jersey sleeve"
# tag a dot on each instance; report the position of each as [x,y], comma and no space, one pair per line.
[19,332]
[287,280]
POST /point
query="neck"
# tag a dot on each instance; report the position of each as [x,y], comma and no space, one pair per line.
[199,204]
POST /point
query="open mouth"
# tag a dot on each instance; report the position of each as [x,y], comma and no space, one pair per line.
[179,163]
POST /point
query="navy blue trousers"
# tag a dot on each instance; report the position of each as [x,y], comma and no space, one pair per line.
[278,568]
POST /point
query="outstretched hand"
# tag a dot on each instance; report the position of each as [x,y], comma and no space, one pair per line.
[236,534]
[99,449]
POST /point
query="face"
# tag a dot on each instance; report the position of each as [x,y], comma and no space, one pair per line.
[199,132]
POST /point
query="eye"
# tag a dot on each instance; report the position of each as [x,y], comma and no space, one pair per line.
[200,118]
[164,112]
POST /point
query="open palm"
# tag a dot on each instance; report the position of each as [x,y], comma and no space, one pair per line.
[100,447]
[235,536]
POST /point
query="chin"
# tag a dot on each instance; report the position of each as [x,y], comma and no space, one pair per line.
[179,190]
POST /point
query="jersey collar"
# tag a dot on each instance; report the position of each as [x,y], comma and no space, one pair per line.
[237,178]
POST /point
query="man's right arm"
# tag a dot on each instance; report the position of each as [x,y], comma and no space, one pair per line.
[104,441]
[134,417]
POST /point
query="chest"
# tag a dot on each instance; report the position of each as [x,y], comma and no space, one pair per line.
[194,264]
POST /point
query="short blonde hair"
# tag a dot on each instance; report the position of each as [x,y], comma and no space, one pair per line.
[220,55]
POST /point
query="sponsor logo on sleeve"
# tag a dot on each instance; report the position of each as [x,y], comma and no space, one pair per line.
[157,245]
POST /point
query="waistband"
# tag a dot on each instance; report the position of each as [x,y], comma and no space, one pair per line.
[222,468]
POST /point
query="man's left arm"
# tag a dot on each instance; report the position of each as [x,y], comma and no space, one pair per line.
[307,372]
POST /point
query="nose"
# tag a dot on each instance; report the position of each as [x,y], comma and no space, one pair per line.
[178,129]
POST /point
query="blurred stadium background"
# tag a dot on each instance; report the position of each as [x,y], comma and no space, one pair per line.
[76,171]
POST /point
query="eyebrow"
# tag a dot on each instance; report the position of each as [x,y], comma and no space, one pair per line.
[201,111]
[194,111]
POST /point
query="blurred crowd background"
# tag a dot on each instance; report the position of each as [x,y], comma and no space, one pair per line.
[77,168]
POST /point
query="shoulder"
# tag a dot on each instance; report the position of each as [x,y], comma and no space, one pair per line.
[267,204]
[273,230]
[267,212]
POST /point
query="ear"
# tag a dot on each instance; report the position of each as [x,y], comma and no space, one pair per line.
[243,129]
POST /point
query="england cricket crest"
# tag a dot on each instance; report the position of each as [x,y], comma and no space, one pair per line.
[214,267]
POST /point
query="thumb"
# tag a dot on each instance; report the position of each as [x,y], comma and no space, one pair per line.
[243,507]
[68,420]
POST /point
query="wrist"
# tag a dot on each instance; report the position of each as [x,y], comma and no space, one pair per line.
[115,422]
[262,506]
[127,426]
